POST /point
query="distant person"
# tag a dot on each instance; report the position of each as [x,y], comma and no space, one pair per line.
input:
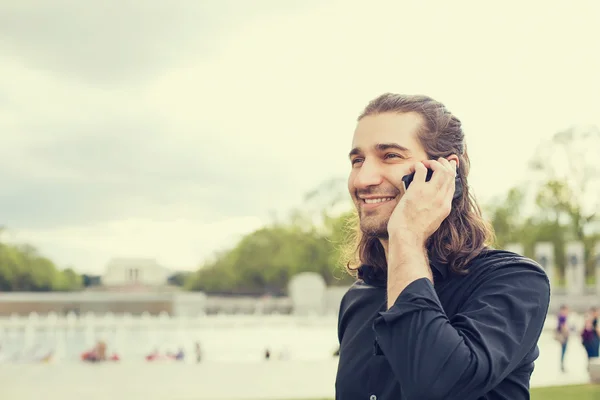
[180,355]
[336,353]
[562,334]
[435,312]
[267,354]
[101,350]
[154,355]
[97,354]
[198,352]
[589,335]
[594,315]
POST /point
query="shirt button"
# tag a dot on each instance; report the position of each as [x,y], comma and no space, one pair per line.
[373,397]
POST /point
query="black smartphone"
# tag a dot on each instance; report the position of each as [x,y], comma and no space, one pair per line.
[407,179]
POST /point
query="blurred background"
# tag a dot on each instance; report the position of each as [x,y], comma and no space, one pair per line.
[173,186]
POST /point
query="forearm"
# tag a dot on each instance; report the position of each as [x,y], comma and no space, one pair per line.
[407,262]
[434,357]
[428,355]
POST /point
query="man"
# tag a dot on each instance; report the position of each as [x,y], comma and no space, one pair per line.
[435,313]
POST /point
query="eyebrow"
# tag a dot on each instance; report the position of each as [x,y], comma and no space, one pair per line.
[380,147]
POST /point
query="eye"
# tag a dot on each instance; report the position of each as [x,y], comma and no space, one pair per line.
[356,161]
[392,155]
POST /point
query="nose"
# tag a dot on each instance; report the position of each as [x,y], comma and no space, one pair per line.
[368,175]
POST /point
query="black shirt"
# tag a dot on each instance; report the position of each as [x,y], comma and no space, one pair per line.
[463,338]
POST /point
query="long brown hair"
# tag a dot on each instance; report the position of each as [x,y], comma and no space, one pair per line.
[464,234]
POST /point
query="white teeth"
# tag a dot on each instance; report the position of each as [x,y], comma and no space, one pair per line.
[379,200]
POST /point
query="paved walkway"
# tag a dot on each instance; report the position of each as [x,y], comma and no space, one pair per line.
[216,381]
[547,367]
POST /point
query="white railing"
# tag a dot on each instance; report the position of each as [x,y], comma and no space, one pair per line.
[110,320]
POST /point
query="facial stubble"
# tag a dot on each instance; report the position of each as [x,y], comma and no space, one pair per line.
[373,225]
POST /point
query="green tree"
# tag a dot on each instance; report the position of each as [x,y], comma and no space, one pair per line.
[570,194]
[564,180]
[22,268]
[265,260]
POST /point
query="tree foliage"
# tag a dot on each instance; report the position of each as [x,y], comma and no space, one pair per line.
[565,189]
[22,268]
[265,260]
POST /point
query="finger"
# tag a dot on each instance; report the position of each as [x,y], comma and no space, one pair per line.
[420,172]
[445,163]
[450,167]
[435,165]
[443,179]
[411,168]
[454,165]
[439,171]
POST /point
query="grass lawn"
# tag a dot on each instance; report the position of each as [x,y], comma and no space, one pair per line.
[576,392]
[570,392]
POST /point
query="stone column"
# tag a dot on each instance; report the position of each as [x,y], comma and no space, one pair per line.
[575,268]
[514,247]
[307,293]
[544,255]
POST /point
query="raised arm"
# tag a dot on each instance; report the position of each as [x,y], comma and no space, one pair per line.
[434,357]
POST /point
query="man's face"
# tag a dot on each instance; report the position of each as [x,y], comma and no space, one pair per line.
[383,149]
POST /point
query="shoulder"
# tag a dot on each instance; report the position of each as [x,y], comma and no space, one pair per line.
[500,269]
[492,261]
[356,294]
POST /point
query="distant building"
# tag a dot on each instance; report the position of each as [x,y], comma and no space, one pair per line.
[134,272]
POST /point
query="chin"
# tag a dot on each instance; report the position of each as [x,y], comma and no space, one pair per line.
[372,229]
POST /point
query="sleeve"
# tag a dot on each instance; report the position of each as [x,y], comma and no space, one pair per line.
[463,358]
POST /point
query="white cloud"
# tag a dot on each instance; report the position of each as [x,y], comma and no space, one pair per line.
[288,88]
[268,112]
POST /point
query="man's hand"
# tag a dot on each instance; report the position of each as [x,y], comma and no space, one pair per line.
[425,205]
[417,216]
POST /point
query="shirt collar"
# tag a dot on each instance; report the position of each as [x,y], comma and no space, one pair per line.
[378,277]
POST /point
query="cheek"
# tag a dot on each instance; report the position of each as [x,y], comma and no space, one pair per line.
[350,183]
[395,172]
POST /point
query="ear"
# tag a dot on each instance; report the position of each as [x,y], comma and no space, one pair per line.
[455,158]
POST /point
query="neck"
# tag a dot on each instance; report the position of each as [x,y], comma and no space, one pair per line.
[385,244]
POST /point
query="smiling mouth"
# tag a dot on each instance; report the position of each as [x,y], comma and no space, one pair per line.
[378,200]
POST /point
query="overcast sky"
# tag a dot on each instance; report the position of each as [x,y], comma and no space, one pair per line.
[167,129]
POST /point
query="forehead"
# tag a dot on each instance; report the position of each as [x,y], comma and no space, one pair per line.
[400,128]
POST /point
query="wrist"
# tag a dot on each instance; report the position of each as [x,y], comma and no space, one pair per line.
[408,258]
[407,241]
